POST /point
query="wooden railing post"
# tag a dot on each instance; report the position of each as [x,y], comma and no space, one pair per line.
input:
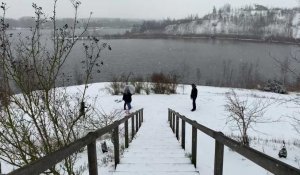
[136,122]
[173,122]
[126,134]
[194,145]
[142,115]
[183,134]
[132,127]
[140,119]
[116,146]
[177,126]
[92,158]
[219,157]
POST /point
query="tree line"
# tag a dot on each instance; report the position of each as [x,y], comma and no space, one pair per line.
[27,22]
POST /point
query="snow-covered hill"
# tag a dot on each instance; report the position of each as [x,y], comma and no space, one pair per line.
[255,21]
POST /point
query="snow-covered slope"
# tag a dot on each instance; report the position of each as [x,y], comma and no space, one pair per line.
[267,137]
[211,113]
[247,22]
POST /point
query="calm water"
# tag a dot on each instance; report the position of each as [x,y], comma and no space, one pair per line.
[195,60]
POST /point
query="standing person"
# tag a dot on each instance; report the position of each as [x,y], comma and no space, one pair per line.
[194,94]
[127,98]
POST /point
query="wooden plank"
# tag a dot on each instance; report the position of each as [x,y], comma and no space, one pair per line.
[116,146]
[126,135]
[219,157]
[92,158]
[132,127]
[137,122]
[173,122]
[177,127]
[183,134]
[194,146]
[140,119]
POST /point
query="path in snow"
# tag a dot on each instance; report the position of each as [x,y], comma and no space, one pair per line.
[156,151]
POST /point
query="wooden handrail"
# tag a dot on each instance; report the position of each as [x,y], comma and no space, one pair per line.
[267,162]
[44,163]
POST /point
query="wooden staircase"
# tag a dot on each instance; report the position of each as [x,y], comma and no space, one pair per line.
[155,151]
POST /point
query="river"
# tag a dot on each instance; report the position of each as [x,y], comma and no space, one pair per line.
[195,60]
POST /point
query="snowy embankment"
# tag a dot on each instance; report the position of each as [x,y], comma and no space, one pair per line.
[244,24]
[211,113]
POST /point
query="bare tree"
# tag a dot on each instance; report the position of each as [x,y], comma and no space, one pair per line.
[244,114]
[285,68]
[43,117]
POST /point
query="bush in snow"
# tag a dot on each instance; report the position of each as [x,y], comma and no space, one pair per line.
[275,86]
[244,114]
[138,83]
[116,86]
[164,84]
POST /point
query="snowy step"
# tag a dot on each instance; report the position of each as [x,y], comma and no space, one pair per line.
[167,149]
[158,146]
[155,160]
[155,151]
[165,167]
[143,144]
[158,139]
[151,155]
[155,142]
[155,173]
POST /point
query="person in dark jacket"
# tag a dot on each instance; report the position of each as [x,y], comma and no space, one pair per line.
[194,94]
[127,99]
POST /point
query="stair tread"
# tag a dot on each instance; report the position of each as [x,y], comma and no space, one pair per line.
[166,167]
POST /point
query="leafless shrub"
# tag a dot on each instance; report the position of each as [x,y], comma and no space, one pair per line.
[43,117]
[102,118]
[147,87]
[116,85]
[296,123]
[138,83]
[244,114]
[164,84]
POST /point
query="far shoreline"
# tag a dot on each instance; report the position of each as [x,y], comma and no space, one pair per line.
[256,39]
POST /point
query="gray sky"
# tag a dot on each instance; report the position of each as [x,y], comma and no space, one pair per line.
[140,9]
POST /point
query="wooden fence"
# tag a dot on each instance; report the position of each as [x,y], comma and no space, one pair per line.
[89,140]
[269,163]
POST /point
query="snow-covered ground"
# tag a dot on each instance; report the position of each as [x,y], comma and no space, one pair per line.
[211,113]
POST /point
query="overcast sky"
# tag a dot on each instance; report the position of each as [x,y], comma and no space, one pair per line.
[139,9]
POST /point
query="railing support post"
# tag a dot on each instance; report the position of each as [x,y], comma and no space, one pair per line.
[183,134]
[219,157]
[194,145]
[142,115]
[177,126]
[140,119]
[126,134]
[132,127]
[116,145]
[92,158]
[173,122]
[136,122]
